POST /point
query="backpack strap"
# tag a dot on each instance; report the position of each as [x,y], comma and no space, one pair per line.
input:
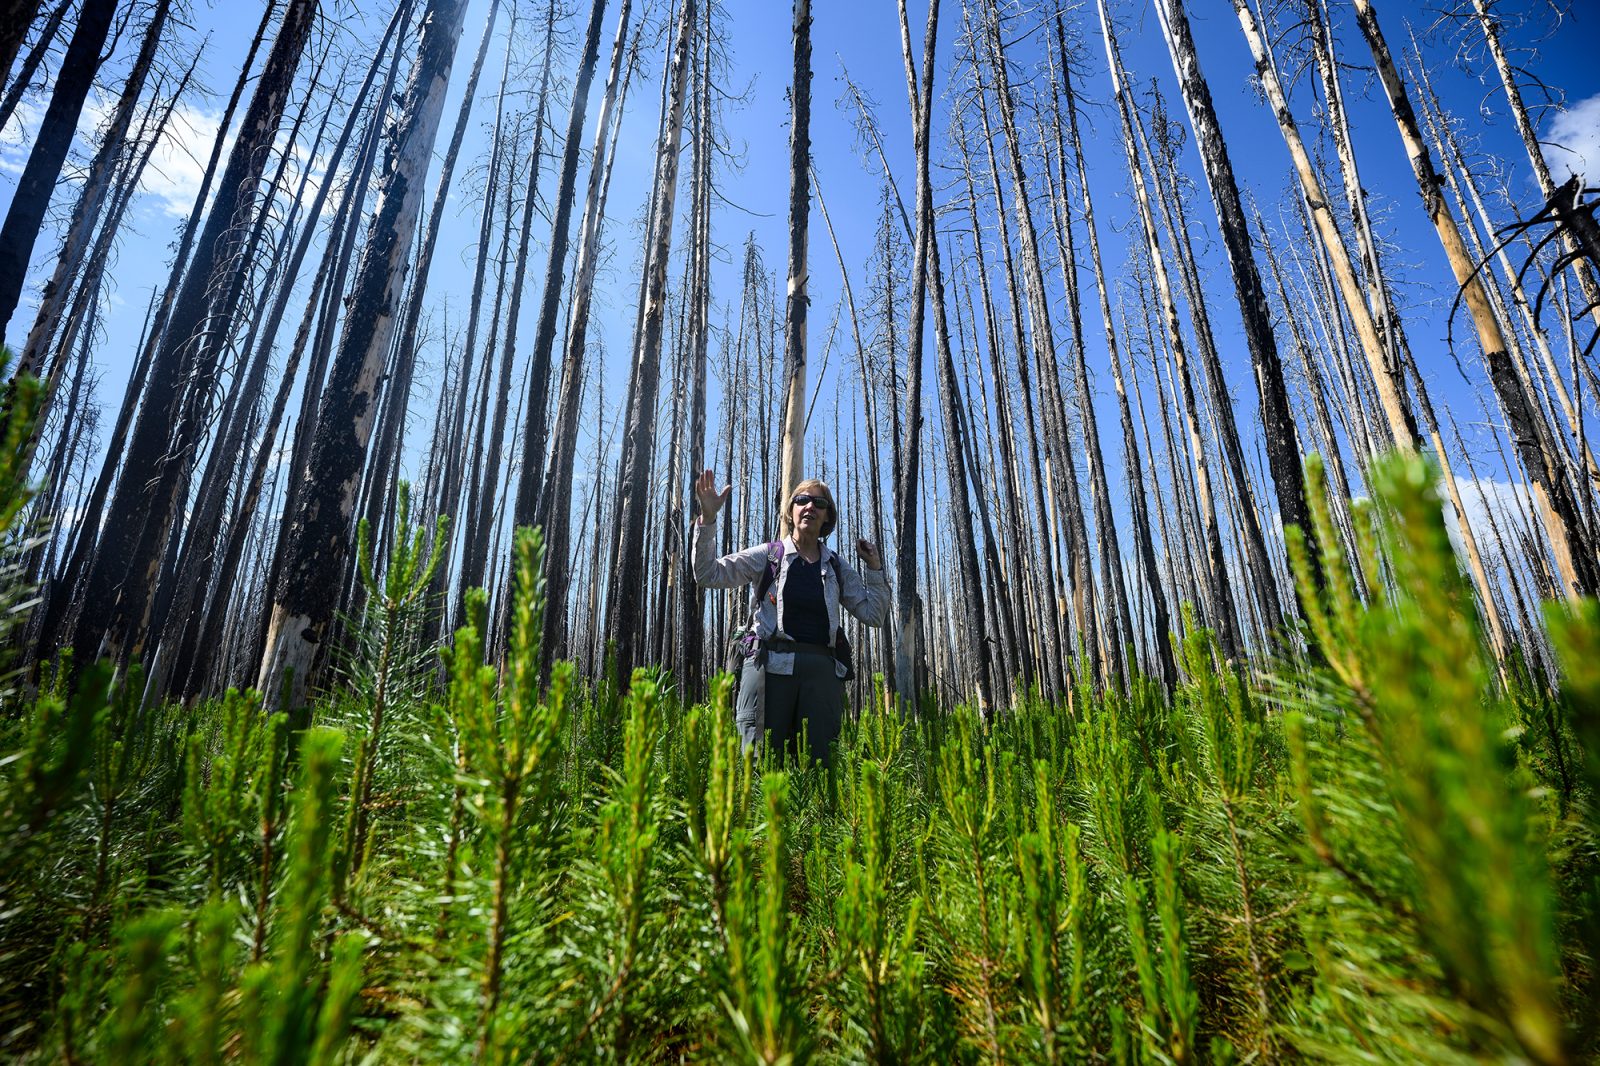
[770,574]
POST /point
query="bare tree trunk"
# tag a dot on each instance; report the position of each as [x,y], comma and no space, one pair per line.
[1010,586]
[1216,568]
[476,546]
[534,440]
[625,606]
[1313,379]
[1058,452]
[463,472]
[419,283]
[23,14]
[908,647]
[1277,419]
[124,187]
[37,183]
[692,665]
[791,448]
[952,408]
[344,235]
[1224,428]
[1042,576]
[1118,626]
[1006,670]
[16,17]
[1387,376]
[239,425]
[555,505]
[121,584]
[319,538]
[1133,468]
[1463,186]
[1490,25]
[1552,495]
[86,212]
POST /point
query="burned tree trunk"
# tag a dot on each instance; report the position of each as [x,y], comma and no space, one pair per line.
[534,439]
[419,282]
[555,512]
[38,181]
[1059,486]
[96,186]
[1277,419]
[1387,375]
[23,14]
[792,445]
[15,18]
[1118,619]
[1551,492]
[475,547]
[908,644]
[625,604]
[691,663]
[1219,593]
[1541,169]
[320,534]
[122,581]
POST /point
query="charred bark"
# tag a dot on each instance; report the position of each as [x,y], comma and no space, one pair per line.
[37,183]
[319,538]
[122,582]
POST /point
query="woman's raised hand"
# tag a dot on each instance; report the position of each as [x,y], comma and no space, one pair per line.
[869,554]
[711,501]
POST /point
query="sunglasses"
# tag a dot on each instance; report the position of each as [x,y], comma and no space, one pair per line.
[803,499]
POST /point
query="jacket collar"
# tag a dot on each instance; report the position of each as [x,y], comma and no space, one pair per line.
[791,548]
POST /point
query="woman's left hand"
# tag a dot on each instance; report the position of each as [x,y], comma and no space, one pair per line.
[869,554]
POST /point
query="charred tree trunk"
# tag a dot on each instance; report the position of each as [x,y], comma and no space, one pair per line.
[908,645]
[1012,582]
[480,520]
[538,398]
[121,584]
[16,16]
[1225,431]
[1277,418]
[462,472]
[1552,494]
[21,16]
[1061,472]
[1118,619]
[555,504]
[691,665]
[625,606]
[86,212]
[1215,569]
[1387,375]
[407,344]
[319,537]
[1490,25]
[34,188]
[792,445]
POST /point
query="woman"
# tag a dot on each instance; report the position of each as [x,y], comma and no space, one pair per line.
[793,680]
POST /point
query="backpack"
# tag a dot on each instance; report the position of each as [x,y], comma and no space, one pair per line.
[744,643]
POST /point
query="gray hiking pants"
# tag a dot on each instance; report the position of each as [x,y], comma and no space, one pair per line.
[778,705]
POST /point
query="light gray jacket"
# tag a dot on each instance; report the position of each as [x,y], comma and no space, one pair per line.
[865,596]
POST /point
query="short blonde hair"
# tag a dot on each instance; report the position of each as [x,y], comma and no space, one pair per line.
[811,487]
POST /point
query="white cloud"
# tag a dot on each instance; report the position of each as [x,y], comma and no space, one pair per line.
[17,141]
[1478,496]
[176,166]
[1571,142]
[178,163]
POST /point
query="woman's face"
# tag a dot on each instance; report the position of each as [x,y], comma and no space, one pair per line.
[809,514]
